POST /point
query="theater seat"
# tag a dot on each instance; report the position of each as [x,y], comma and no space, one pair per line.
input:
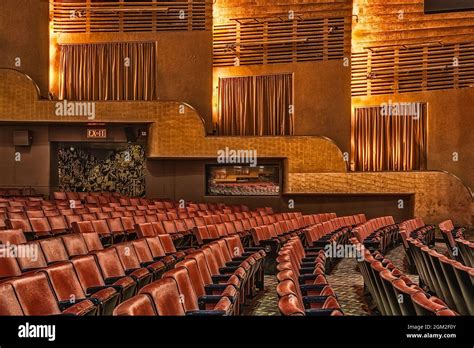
[191,302]
[92,281]
[151,252]
[53,250]
[68,289]
[37,298]
[113,270]
[15,237]
[75,244]
[9,304]
[131,262]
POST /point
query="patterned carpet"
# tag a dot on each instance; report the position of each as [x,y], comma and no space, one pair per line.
[346,281]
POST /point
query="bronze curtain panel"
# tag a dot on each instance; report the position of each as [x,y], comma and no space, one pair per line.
[256,105]
[385,142]
[108,71]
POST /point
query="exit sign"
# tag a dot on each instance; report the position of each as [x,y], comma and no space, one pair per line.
[97,133]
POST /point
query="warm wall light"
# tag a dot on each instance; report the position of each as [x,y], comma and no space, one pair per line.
[53,56]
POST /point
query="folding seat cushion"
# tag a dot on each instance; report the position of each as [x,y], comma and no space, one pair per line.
[17,215]
[75,244]
[221,230]
[81,210]
[15,237]
[92,241]
[158,227]
[60,196]
[191,303]
[199,221]
[66,212]
[190,225]
[131,262]
[139,305]
[145,230]
[35,214]
[202,234]
[139,217]
[92,281]
[162,216]
[37,298]
[151,218]
[150,250]
[82,227]
[71,219]
[68,289]
[116,228]
[128,224]
[32,260]
[9,304]
[21,224]
[102,216]
[89,217]
[170,228]
[112,268]
[53,250]
[58,224]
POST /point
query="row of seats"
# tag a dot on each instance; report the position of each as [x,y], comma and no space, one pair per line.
[378,234]
[336,230]
[215,280]
[458,247]
[45,252]
[416,228]
[393,292]
[448,279]
[40,227]
[90,284]
[303,288]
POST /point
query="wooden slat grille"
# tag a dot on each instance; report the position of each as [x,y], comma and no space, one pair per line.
[404,69]
[281,41]
[83,17]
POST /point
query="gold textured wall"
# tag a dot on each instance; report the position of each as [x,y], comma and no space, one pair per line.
[438,195]
[314,164]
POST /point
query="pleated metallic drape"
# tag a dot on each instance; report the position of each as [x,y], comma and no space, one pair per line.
[389,143]
[108,71]
[256,105]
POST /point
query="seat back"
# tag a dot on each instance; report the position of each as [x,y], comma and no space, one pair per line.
[139,305]
[165,296]
[53,250]
[35,295]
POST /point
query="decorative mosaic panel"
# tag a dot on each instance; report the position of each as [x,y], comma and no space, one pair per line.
[121,171]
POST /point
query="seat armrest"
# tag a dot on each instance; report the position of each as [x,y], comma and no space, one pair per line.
[110,281]
[314,299]
[92,290]
[307,270]
[220,277]
[302,278]
[305,288]
[215,287]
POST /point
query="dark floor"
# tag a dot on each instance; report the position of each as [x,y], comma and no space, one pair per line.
[346,281]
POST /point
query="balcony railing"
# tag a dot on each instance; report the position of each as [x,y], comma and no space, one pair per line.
[119,16]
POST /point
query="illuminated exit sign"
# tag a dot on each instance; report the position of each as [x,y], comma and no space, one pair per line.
[97,133]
